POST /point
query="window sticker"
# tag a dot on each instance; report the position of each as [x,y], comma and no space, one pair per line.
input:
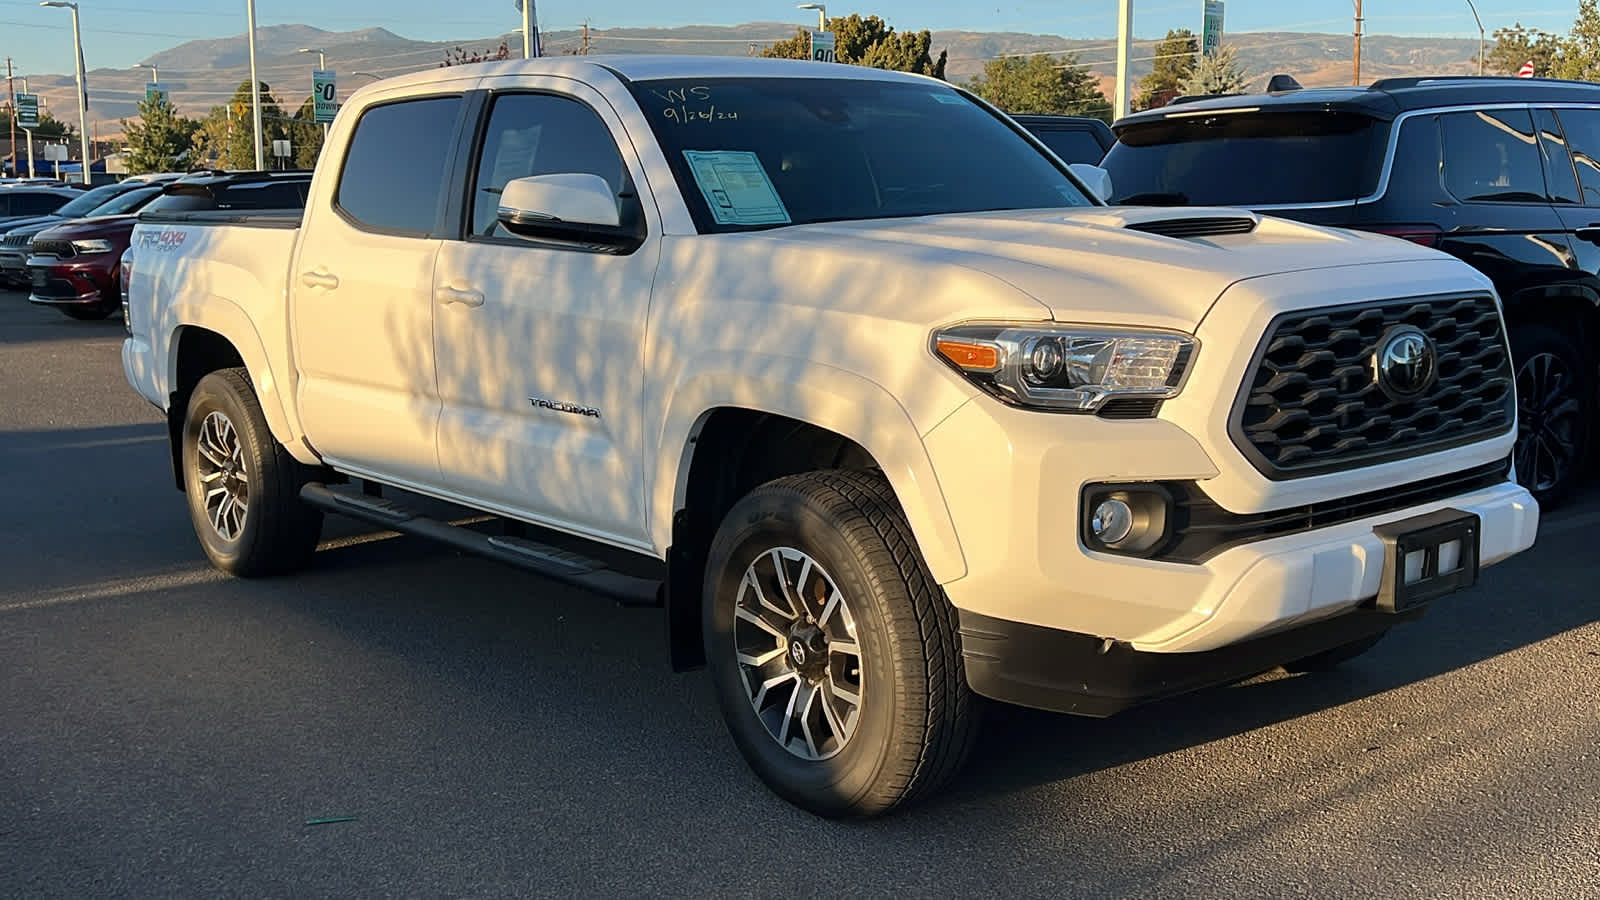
[736,187]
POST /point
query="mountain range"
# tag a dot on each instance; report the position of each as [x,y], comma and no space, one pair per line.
[204,73]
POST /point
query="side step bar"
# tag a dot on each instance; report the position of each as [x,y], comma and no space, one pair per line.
[550,562]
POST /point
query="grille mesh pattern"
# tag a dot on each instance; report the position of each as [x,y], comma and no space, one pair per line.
[1314,404]
[58,249]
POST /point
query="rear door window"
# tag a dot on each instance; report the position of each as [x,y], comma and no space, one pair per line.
[1582,128]
[36,203]
[397,165]
[1492,156]
[1562,184]
[1248,159]
[1073,145]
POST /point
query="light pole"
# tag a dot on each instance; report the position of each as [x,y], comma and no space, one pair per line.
[26,131]
[822,14]
[155,74]
[83,95]
[255,84]
[1124,51]
[322,63]
[1474,9]
[530,29]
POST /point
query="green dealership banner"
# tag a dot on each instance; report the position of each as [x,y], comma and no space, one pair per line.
[27,111]
[1211,30]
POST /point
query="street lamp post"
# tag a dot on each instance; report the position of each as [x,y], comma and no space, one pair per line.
[83,96]
[155,73]
[1474,9]
[822,14]
[255,84]
[530,29]
[322,63]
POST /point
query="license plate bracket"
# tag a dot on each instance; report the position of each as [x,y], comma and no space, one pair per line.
[1416,549]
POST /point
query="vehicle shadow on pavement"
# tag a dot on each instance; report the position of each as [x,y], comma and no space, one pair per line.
[28,324]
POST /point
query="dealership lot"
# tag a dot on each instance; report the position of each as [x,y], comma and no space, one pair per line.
[166,731]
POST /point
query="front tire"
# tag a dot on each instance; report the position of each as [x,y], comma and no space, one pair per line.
[243,487]
[1555,412]
[834,654]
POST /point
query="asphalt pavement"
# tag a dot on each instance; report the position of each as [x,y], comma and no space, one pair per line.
[474,731]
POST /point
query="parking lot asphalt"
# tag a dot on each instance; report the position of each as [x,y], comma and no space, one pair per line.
[168,732]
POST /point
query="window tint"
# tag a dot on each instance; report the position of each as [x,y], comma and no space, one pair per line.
[1492,156]
[395,170]
[1562,185]
[36,204]
[1582,128]
[129,201]
[539,134]
[90,201]
[1248,159]
[1072,145]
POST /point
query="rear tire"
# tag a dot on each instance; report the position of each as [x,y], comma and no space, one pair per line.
[1337,656]
[243,487]
[839,574]
[1555,412]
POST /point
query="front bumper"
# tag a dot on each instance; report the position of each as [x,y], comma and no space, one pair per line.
[85,281]
[14,266]
[1013,478]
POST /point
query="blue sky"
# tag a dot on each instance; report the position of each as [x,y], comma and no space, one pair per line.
[118,33]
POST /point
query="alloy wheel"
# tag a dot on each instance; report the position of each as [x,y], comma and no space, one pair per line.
[219,456]
[795,639]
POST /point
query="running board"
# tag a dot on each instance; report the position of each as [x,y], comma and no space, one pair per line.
[550,562]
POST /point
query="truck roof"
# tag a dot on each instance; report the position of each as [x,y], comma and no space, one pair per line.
[645,67]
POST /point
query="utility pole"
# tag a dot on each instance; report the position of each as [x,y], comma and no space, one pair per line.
[255,87]
[1124,51]
[585,49]
[1357,81]
[11,89]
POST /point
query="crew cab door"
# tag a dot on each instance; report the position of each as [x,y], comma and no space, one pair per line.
[539,343]
[362,288]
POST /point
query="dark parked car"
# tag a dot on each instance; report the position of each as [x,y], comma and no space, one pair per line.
[1076,139]
[76,267]
[112,199]
[26,201]
[1503,173]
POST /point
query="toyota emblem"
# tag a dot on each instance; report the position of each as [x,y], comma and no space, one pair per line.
[1407,363]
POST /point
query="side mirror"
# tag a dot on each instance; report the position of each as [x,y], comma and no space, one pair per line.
[573,207]
[1095,178]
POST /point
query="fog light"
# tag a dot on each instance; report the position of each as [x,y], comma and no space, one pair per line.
[1112,521]
[1128,519]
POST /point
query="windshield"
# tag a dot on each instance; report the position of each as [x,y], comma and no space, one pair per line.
[763,152]
[1239,159]
[89,201]
[129,201]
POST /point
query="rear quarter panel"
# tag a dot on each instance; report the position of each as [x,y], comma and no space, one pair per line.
[228,279]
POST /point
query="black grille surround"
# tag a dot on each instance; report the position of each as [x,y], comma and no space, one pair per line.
[1312,403]
[58,249]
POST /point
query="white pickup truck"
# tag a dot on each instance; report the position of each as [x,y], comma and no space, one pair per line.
[894,411]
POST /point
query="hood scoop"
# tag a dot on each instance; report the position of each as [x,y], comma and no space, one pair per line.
[1196,226]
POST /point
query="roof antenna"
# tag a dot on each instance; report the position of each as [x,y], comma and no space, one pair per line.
[1282,84]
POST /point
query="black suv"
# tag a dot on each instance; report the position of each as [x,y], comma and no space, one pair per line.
[1503,173]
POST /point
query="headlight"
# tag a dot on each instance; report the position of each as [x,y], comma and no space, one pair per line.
[93,246]
[1067,368]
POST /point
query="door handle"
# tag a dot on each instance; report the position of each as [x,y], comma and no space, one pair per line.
[1590,234]
[468,298]
[319,280]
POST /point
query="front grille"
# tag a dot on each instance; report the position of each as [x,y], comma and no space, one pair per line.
[15,240]
[1203,226]
[1313,403]
[58,249]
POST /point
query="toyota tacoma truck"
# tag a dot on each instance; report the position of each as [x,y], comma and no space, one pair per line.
[849,374]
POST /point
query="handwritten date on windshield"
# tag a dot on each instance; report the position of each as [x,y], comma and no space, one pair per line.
[684,115]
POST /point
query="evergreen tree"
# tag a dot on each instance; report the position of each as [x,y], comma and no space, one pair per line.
[1174,63]
[1041,84]
[1219,73]
[160,140]
[871,42]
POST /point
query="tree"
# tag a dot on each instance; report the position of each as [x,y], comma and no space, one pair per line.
[1580,53]
[868,42]
[1219,73]
[161,140]
[1041,84]
[225,136]
[306,134]
[1174,63]
[1517,45]
[461,57]
[50,128]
